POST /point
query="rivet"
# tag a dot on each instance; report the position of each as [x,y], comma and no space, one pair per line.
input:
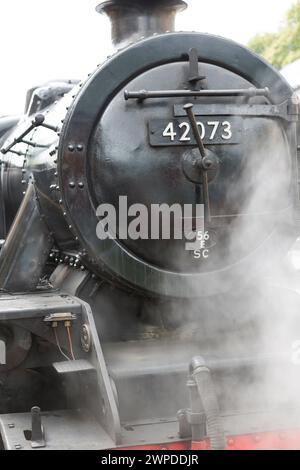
[79,147]
[18,446]
[230,442]
[11,425]
[71,148]
[72,184]
[80,184]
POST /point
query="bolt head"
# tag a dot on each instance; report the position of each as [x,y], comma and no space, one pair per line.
[85,338]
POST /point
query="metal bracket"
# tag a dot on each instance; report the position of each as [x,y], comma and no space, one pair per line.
[188,421]
[37,430]
[38,121]
[107,409]
[281,111]
[185,429]
[2,352]
[194,76]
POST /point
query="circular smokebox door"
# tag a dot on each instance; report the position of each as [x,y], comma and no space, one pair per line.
[142,151]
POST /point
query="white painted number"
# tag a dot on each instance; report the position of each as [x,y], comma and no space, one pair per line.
[184,137]
[169,131]
[202,129]
[215,125]
[186,130]
[227,130]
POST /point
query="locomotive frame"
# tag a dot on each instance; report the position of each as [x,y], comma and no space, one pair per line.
[119,320]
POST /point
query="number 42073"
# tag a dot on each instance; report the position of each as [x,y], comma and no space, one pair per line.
[210,130]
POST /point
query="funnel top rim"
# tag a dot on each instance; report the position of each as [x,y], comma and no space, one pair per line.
[105,5]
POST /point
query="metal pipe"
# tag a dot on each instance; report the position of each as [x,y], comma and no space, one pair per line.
[133,19]
[202,377]
[144,94]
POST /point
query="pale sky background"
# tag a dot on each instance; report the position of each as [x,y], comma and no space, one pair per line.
[48,39]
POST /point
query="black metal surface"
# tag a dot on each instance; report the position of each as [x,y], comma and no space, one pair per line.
[26,249]
[129,266]
[36,305]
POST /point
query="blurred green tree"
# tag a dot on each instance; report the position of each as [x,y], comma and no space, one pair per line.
[283,47]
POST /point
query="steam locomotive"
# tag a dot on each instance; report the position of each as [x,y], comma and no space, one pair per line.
[126,342]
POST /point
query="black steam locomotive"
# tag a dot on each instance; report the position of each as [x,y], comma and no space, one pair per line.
[122,342]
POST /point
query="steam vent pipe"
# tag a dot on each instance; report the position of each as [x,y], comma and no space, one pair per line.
[133,19]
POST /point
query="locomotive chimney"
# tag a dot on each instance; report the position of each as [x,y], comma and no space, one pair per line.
[133,19]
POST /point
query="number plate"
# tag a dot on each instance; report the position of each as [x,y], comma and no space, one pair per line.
[214,130]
